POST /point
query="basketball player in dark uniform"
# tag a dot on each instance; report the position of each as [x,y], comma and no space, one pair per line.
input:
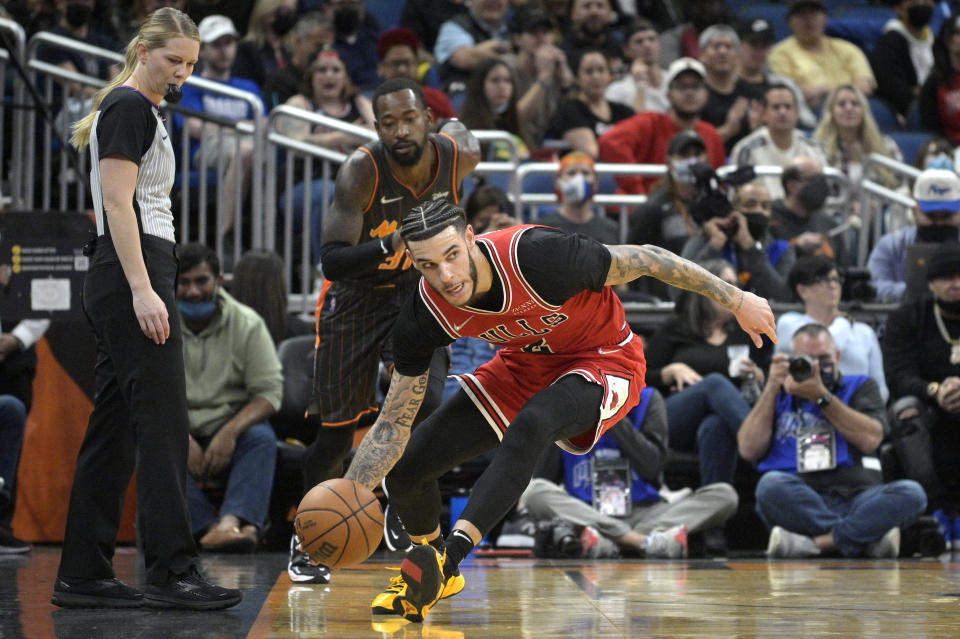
[371,274]
[569,369]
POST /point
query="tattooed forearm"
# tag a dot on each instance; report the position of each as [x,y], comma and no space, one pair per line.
[631,262]
[384,443]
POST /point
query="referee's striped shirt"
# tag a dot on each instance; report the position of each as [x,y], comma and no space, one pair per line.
[129,124]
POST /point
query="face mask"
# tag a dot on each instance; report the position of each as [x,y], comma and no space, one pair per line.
[501,109]
[937,233]
[78,15]
[919,15]
[197,311]
[575,189]
[813,194]
[680,171]
[346,20]
[283,21]
[173,94]
[757,225]
[939,161]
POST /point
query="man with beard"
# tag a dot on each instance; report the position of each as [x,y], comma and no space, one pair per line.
[937,192]
[570,368]
[362,256]
[591,28]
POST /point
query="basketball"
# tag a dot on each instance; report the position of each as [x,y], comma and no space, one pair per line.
[339,523]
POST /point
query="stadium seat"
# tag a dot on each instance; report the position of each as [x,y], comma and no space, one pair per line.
[387,12]
[910,143]
[884,115]
[775,14]
[862,26]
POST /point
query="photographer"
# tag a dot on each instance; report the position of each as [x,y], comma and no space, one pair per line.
[741,238]
[813,433]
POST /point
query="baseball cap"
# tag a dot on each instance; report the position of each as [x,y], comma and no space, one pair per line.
[212,28]
[397,36]
[800,5]
[937,190]
[945,262]
[680,66]
[526,18]
[758,31]
[682,140]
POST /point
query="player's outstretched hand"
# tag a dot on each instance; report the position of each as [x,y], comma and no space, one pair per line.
[756,318]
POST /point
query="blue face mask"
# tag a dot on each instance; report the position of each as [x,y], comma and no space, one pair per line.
[940,161]
[197,311]
[576,189]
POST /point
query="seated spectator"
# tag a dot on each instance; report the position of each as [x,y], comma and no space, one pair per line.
[262,53]
[470,38]
[817,62]
[582,119]
[590,30]
[424,17]
[939,95]
[215,144]
[491,103]
[937,214]
[778,140]
[743,239]
[564,486]
[234,383]
[355,39]
[800,217]
[937,153]
[644,137]
[814,438]
[258,282]
[642,88]
[311,34]
[922,362]
[663,220]
[699,361]
[542,70]
[849,134]
[818,284]
[576,184]
[756,39]
[733,106]
[398,49]
[326,90]
[903,56]
[75,21]
[695,16]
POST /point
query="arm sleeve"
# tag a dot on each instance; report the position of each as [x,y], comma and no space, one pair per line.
[29,332]
[900,354]
[341,260]
[416,334]
[626,143]
[882,268]
[875,362]
[894,71]
[764,279]
[856,62]
[126,127]
[645,448]
[450,38]
[559,266]
[867,400]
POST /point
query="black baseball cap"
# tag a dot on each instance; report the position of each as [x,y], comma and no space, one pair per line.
[679,143]
[758,32]
[800,5]
[945,262]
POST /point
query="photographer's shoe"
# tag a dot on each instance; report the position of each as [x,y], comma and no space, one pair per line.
[784,544]
[887,547]
[190,591]
[667,544]
[94,593]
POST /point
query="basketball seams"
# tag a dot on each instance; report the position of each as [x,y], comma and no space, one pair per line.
[345,544]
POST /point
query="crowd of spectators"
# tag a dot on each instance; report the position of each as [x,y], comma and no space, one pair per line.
[589,82]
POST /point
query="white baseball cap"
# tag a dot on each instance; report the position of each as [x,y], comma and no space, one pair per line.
[681,65]
[937,190]
[212,28]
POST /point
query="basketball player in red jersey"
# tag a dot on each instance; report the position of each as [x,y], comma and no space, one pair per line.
[569,369]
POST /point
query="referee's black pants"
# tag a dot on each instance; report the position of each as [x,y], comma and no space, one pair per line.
[139,420]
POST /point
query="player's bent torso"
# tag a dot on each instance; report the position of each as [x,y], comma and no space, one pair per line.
[392,201]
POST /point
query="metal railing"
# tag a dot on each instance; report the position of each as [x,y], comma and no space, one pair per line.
[875,199]
[13,111]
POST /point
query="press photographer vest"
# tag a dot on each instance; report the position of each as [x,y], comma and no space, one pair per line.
[577,472]
[783,449]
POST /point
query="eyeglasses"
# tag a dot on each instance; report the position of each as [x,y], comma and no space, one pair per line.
[828,279]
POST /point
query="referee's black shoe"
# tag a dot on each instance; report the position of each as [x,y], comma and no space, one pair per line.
[94,593]
[190,591]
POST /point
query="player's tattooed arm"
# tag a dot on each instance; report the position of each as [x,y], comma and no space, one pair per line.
[631,262]
[384,442]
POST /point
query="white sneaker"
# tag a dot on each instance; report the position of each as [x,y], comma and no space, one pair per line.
[303,571]
[667,544]
[887,547]
[784,544]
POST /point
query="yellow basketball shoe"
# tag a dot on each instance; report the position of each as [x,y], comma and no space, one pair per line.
[422,572]
[386,603]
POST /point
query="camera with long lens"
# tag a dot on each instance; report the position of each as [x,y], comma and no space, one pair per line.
[711,198]
[801,367]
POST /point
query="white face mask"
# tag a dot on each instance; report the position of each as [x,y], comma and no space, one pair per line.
[575,189]
[680,170]
[500,110]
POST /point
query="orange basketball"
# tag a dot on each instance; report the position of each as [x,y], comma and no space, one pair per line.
[339,523]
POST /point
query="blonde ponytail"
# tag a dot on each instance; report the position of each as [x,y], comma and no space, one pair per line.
[160,26]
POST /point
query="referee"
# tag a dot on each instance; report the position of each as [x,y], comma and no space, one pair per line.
[139,416]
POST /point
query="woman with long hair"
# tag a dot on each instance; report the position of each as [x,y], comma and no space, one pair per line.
[491,103]
[139,418]
[941,90]
[262,52]
[258,282]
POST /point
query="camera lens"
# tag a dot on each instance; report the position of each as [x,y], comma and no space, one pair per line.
[800,368]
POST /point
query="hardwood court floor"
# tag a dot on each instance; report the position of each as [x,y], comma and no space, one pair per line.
[512,598]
